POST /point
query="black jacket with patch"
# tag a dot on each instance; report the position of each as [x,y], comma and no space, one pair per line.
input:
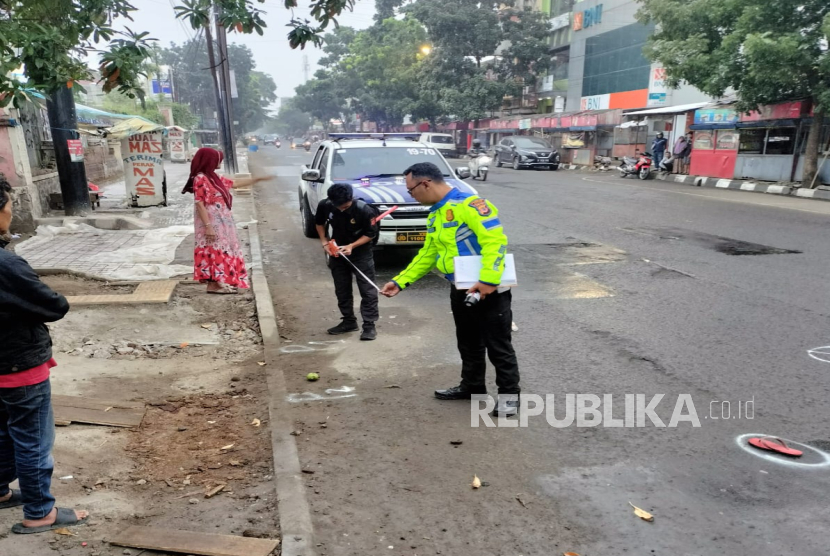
[26,304]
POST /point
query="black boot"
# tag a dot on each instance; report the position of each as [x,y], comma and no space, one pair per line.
[343,327]
[458,393]
[369,332]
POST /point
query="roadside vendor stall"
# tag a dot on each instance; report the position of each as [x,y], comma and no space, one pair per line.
[178,144]
[141,152]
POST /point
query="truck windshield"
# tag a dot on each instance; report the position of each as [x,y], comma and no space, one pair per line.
[352,164]
[441,139]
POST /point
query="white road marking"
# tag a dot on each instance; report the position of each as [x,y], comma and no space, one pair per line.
[820,353]
[326,345]
[332,394]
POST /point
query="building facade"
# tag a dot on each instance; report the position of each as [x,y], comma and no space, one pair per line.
[597,60]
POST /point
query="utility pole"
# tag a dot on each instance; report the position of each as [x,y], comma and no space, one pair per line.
[64,123]
[225,83]
[220,113]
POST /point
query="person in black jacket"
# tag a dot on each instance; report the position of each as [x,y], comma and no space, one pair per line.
[27,426]
[354,233]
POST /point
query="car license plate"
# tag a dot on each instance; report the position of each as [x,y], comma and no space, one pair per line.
[411,237]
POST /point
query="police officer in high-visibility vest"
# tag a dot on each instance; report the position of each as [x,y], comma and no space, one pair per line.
[466,224]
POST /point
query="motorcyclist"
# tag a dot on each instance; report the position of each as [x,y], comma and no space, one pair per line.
[658,148]
[476,149]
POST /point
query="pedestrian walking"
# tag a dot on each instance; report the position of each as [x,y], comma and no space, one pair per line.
[354,233]
[658,148]
[461,224]
[217,257]
[27,425]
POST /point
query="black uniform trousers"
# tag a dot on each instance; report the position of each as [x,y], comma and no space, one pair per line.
[342,273]
[486,328]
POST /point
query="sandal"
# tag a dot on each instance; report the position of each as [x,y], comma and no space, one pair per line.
[66,518]
[773,444]
[224,290]
[13,502]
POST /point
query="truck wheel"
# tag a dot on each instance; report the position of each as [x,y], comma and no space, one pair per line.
[309,228]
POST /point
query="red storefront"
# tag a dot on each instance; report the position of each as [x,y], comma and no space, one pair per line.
[715,143]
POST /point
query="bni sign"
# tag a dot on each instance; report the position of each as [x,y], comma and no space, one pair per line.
[587,18]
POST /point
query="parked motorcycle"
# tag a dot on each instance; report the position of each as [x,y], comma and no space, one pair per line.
[479,166]
[640,167]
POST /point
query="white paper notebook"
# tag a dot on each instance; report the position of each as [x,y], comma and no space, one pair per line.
[467,270]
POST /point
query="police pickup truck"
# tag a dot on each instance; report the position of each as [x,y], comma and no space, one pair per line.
[373,164]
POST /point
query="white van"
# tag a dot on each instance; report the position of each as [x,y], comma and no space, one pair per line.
[441,142]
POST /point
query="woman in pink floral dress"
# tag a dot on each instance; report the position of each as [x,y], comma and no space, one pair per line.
[218,259]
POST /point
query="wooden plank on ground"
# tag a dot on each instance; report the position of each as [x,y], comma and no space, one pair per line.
[155,291]
[90,403]
[97,412]
[188,542]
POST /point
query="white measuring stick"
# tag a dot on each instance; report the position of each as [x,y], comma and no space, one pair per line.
[359,272]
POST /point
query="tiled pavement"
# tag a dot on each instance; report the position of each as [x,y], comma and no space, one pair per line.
[128,254]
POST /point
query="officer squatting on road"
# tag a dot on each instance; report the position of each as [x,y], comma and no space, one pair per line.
[463,224]
[354,233]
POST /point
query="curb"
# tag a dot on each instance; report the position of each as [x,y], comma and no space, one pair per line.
[294,512]
[813,194]
[821,193]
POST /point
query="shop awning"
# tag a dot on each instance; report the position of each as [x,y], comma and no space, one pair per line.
[679,109]
[132,126]
[767,123]
[634,123]
[695,127]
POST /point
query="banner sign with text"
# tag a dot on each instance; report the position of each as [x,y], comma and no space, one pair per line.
[144,168]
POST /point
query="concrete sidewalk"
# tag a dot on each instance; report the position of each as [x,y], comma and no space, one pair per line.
[118,242]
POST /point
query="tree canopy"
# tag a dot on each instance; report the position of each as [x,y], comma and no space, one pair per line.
[767,51]
[189,65]
[53,38]
[290,120]
[423,66]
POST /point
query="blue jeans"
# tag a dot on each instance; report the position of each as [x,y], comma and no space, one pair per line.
[658,157]
[27,433]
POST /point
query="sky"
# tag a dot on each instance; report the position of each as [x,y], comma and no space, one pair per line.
[271,51]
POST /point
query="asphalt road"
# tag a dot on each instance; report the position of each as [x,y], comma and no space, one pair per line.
[626,287]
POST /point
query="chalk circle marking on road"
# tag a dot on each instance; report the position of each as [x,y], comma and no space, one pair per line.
[326,345]
[331,394]
[743,443]
[820,354]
